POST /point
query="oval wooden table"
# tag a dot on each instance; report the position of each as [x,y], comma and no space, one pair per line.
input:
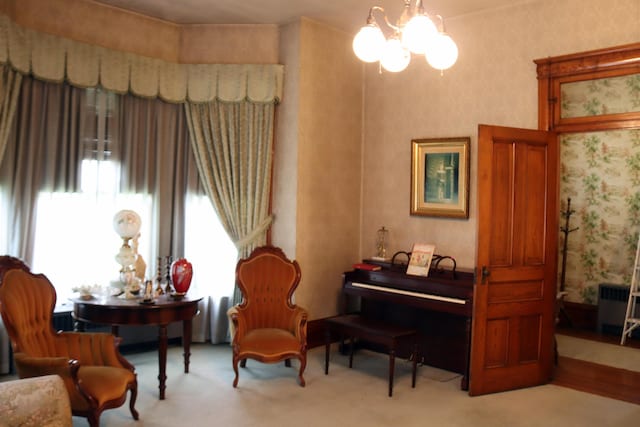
[165,309]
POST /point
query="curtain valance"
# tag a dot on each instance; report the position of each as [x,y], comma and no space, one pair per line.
[55,59]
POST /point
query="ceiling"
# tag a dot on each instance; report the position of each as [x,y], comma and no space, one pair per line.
[347,15]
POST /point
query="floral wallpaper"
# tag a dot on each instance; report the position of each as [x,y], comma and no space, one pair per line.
[612,95]
[600,173]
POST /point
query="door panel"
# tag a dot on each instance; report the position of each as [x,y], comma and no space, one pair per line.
[512,342]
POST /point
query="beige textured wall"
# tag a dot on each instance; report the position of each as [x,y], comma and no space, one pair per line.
[493,82]
[328,100]
[90,22]
[285,160]
[232,44]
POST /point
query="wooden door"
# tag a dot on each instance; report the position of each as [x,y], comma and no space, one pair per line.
[515,290]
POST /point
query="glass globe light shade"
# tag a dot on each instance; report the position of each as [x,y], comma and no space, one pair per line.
[442,53]
[417,34]
[368,43]
[395,57]
[127,223]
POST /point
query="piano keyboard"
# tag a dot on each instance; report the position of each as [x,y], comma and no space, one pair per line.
[409,293]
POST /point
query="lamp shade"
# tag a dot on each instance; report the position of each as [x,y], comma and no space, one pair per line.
[443,52]
[395,57]
[417,34]
[126,223]
[368,43]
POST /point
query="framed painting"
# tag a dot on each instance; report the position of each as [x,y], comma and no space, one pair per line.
[440,177]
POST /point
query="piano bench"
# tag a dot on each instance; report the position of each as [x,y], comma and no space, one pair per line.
[356,326]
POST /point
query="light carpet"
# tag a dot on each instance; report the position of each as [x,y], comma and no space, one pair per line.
[269,395]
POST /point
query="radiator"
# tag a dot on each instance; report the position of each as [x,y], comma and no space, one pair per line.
[612,307]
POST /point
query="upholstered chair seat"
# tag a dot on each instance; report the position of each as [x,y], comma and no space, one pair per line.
[267,325]
[96,375]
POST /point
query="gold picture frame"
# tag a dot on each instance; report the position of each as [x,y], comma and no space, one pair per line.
[440,177]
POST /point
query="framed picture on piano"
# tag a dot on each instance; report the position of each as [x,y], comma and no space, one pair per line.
[440,177]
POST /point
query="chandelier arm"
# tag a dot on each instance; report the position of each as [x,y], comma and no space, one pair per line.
[441,26]
[372,20]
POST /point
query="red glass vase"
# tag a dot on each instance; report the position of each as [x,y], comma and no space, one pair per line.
[181,274]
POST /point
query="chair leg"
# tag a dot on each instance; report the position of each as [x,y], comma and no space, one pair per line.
[94,419]
[303,364]
[132,402]
[235,369]
[243,363]
[287,363]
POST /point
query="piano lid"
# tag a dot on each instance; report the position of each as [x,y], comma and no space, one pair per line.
[437,283]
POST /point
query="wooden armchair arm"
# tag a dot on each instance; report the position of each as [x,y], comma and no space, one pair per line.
[29,366]
[96,348]
[299,323]
[238,323]
[66,368]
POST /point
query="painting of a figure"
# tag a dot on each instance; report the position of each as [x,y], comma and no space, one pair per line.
[441,177]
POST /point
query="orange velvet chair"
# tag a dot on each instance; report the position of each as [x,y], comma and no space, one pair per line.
[96,375]
[268,327]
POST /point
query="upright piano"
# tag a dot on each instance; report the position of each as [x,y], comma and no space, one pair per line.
[439,306]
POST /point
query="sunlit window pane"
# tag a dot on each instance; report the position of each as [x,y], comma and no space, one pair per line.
[75,241]
[99,177]
[209,249]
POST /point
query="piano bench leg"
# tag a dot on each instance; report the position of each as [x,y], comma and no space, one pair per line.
[326,356]
[352,344]
[392,365]
[414,365]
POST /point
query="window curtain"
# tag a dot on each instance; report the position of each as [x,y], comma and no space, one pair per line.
[249,93]
[233,144]
[45,112]
[9,92]
[41,155]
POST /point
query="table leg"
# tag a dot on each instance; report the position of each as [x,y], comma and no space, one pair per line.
[162,358]
[186,343]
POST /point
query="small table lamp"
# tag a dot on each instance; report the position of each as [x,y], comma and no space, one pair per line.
[127,224]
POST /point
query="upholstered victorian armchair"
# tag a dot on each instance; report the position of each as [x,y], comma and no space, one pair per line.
[268,326]
[96,376]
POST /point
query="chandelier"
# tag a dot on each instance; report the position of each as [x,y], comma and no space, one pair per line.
[414,32]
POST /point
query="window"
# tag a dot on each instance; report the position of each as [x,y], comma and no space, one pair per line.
[209,248]
[75,243]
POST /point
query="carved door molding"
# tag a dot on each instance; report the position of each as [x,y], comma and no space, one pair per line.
[554,72]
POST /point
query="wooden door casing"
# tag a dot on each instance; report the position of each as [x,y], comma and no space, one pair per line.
[515,290]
